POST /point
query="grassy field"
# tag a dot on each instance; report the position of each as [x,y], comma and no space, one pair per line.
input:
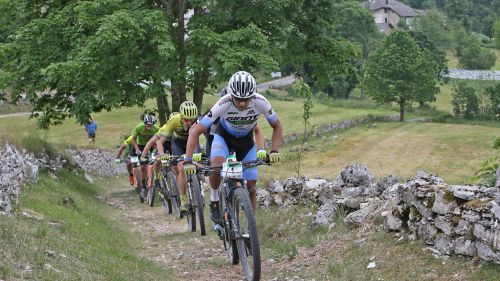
[74,239]
[453,151]
[112,124]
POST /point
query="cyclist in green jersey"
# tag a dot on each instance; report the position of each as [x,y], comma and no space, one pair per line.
[141,134]
[176,129]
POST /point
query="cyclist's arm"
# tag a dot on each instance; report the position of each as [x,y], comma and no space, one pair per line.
[277,135]
[159,144]
[150,143]
[120,150]
[259,137]
[134,143]
[194,134]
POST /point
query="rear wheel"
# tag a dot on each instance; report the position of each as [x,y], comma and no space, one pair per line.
[247,240]
[199,202]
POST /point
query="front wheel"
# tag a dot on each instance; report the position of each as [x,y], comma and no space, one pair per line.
[199,202]
[173,193]
[247,240]
[167,202]
[151,195]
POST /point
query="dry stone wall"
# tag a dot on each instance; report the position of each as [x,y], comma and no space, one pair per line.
[19,166]
[449,219]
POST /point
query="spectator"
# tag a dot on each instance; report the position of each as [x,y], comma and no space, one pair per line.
[91,127]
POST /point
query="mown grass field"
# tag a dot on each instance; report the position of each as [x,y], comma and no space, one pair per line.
[73,239]
[453,151]
[112,124]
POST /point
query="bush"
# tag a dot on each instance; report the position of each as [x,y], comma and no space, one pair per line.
[494,95]
[443,117]
[496,143]
[486,175]
[465,101]
[475,57]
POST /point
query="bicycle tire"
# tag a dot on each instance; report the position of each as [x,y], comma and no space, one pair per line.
[174,193]
[167,202]
[139,184]
[230,243]
[191,216]
[248,240]
[151,195]
[199,203]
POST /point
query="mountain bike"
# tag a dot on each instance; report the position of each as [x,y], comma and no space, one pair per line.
[196,200]
[138,181]
[168,186]
[239,228]
[150,181]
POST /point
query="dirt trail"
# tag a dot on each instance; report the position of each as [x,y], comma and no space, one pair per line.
[195,257]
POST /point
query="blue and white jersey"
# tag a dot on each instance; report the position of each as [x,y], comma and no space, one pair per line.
[239,123]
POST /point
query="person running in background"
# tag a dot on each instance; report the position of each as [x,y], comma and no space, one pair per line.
[91,127]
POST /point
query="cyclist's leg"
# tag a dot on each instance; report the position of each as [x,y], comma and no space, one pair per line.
[218,154]
[251,175]
[179,148]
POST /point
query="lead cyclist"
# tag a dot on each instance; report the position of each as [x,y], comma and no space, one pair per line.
[238,114]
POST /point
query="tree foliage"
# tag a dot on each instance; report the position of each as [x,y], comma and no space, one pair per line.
[76,57]
[465,101]
[314,49]
[400,72]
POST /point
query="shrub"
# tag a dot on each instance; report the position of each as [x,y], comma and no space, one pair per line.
[496,143]
[486,175]
[465,101]
[493,93]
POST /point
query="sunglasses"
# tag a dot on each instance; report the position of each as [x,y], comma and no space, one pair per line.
[245,100]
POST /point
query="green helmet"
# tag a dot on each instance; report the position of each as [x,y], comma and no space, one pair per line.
[188,110]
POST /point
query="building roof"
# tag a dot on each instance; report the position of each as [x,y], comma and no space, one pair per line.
[401,9]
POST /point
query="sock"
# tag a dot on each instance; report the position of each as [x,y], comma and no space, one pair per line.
[214,195]
[183,200]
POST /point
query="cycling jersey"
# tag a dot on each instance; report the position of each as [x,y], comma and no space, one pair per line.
[239,123]
[174,127]
[143,135]
[128,146]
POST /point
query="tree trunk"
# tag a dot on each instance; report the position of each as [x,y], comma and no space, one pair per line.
[401,111]
[163,109]
[200,83]
[178,9]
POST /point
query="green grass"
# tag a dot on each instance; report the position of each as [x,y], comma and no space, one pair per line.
[453,151]
[87,244]
[112,124]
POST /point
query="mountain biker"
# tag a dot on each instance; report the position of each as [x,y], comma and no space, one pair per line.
[141,134]
[238,114]
[176,129]
[209,134]
[125,148]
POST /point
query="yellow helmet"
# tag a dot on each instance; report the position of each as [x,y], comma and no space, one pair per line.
[188,110]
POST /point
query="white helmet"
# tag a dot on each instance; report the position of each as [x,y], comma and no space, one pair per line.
[242,85]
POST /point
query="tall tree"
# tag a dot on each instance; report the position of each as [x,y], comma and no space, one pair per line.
[400,72]
[313,47]
[458,10]
[98,55]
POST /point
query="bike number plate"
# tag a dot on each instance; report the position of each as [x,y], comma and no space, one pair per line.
[232,171]
[134,159]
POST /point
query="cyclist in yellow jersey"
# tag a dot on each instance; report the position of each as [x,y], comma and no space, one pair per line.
[177,128]
[126,146]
